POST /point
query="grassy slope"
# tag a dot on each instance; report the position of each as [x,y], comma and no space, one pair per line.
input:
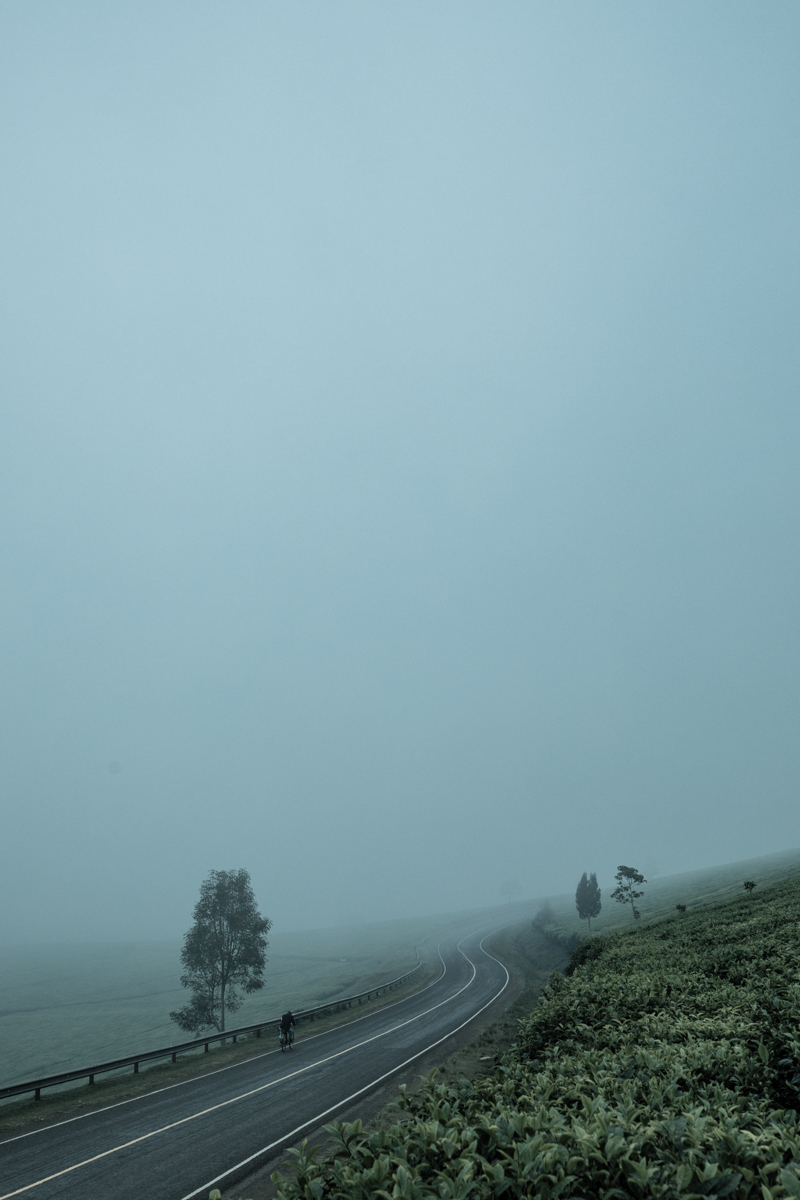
[667,1065]
[693,888]
[65,1006]
[23,1113]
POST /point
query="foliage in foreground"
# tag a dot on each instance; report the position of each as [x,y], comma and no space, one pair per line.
[666,1065]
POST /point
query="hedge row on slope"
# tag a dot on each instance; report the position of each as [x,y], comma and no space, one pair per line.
[665,1065]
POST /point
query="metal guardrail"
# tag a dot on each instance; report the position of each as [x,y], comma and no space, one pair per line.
[133,1060]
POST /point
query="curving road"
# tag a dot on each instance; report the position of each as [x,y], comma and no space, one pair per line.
[180,1141]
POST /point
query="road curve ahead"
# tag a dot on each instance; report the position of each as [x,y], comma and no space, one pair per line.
[180,1141]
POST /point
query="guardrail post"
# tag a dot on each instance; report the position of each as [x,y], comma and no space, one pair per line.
[174,1058]
[91,1080]
[258,1033]
[37,1095]
[136,1068]
[235,1036]
[206,1049]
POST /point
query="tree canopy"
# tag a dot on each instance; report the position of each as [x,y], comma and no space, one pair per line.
[628,879]
[224,951]
[587,898]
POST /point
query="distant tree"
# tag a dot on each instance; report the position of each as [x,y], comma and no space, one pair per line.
[628,879]
[587,898]
[748,886]
[223,951]
[544,917]
[512,889]
[546,925]
[681,907]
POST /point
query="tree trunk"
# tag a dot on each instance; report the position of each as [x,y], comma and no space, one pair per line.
[222,1009]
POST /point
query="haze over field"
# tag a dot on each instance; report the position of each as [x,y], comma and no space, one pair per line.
[398,452]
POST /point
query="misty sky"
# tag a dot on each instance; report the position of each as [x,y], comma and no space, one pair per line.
[398,451]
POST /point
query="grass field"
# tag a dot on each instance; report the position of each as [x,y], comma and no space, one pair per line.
[68,1006]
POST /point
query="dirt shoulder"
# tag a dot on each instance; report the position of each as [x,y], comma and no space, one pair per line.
[473,1051]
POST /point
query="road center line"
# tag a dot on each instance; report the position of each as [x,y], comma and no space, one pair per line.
[244,1095]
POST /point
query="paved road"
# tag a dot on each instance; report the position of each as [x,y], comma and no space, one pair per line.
[179,1142]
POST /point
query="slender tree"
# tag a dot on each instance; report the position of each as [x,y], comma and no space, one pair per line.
[225,950]
[587,898]
[748,886]
[628,879]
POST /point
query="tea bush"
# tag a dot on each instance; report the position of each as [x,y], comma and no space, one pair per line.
[667,1064]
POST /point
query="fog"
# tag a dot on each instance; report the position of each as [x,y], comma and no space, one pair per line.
[398,452]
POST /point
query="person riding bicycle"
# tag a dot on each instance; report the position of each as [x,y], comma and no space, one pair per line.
[287,1026]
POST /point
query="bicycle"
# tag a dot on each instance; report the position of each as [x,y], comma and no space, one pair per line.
[286,1038]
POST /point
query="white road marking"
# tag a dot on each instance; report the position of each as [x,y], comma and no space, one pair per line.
[293,1074]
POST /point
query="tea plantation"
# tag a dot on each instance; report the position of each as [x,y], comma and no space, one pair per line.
[667,1064]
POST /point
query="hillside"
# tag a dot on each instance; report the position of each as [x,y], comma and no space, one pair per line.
[696,889]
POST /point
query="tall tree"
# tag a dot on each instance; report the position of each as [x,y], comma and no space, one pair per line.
[628,879]
[587,898]
[223,951]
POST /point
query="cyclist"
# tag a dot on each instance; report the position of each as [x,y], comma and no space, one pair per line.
[287,1028]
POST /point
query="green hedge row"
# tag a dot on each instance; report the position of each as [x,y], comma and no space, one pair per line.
[667,1064]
